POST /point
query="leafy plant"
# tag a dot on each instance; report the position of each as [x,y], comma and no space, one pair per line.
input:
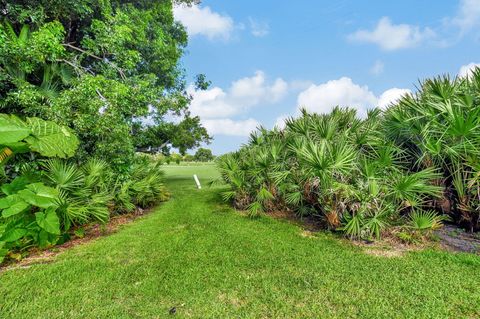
[35,135]
[426,220]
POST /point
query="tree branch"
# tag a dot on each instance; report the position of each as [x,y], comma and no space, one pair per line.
[119,70]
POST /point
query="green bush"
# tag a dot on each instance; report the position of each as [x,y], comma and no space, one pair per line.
[203,155]
[29,208]
[418,158]
[43,199]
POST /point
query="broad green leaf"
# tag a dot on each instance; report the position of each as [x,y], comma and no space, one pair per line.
[9,201]
[49,221]
[39,195]
[19,147]
[13,235]
[51,139]
[12,205]
[43,239]
[15,186]
[15,209]
[12,129]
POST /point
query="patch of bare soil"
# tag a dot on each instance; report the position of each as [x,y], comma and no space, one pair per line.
[91,232]
[456,239]
[389,246]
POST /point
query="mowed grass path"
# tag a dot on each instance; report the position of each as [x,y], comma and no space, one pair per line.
[197,254]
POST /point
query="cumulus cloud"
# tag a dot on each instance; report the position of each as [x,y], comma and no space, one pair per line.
[218,108]
[253,90]
[391,96]
[203,21]
[258,28]
[280,121]
[342,92]
[468,15]
[391,36]
[324,97]
[467,70]
[211,103]
[242,95]
[230,127]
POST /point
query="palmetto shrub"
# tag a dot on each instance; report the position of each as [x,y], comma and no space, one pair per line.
[84,193]
[146,186]
[41,199]
[439,128]
[336,167]
[360,175]
[419,158]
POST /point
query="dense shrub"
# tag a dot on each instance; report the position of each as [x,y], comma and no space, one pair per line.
[438,128]
[361,175]
[42,199]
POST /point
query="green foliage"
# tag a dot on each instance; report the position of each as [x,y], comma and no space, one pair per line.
[177,158]
[92,65]
[336,166]
[256,269]
[417,158]
[188,158]
[29,207]
[84,194]
[36,135]
[79,80]
[146,187]
[203,155]
[41,209]
[437,130]
[29,215]
[426,220]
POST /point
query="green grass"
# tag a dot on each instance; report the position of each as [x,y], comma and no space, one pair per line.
[197,254]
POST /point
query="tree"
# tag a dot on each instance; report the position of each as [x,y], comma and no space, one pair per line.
[203,155]
[186,134]
[98,66]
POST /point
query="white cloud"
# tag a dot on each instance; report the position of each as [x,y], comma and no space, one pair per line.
[299,85]
[324,97]
[217,107]
[342,92]
[280,121]
[203,21]
[468,15]
[258,28]
[230,127]
[242,95]
[393,36]
[467,70]
[377,68]
[211,103]
[253,90]
[391,96]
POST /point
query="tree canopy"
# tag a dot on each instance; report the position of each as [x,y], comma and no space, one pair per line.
[203,155]
[100,67]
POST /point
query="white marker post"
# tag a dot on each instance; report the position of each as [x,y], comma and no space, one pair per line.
[197,181]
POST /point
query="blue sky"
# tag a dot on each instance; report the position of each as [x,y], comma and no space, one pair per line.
[267,58]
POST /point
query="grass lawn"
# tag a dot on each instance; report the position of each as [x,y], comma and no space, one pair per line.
[197,254]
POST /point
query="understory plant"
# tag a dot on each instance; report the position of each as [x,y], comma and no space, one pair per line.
[411,164]
[29,208]
[44,194]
